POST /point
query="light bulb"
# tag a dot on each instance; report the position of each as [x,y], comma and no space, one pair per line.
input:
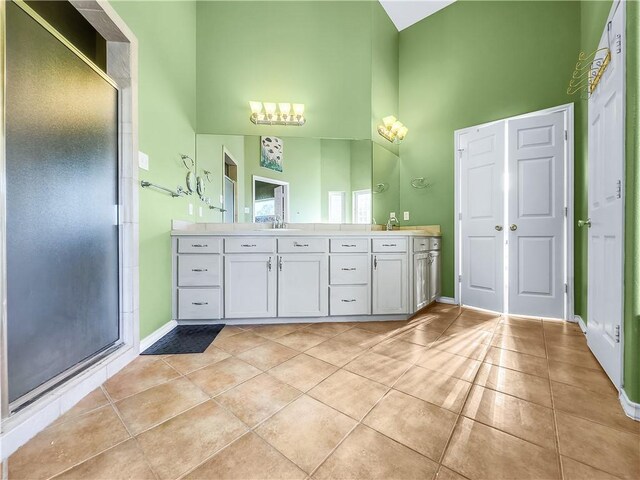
[389,121]
[298,108]
[269,108]
[256,107]
[397,125]
[402,132]
[285,109]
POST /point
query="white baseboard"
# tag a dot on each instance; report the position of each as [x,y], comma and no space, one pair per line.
[578,319]
[449,300]
[632,409]
[152,338]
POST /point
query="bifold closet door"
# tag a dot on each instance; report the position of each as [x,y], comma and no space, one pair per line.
[536,209]
[482,202]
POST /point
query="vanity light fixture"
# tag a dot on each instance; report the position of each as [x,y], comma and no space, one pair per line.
[269,113]
[392,129]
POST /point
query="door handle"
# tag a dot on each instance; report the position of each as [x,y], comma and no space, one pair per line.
[498,228]
[280,263]
[375,263]
[269,263]
[585,223]
[513,227]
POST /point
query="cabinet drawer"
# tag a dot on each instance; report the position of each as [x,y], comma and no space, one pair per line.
[199,270]
[349,300]
[434,243]
[199,245]
[249,244]
[349,269]
[349,245]
[303,244]
[420,244]
[199,303]
[381,245]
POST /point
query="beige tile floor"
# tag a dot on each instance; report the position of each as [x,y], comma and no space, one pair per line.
[450,394]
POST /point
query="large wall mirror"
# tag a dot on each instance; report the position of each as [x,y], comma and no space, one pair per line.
[298,180]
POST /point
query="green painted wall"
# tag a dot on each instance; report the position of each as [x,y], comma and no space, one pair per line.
[632,206]
[317,53]
[593,16]
[470,63]
[335,174]
[361,155]
[167,119]
[384,72]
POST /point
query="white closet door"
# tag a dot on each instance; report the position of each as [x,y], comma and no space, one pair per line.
[606,208]
[536,215]
[482,200]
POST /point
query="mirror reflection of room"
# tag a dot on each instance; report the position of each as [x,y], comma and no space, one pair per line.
[286,179]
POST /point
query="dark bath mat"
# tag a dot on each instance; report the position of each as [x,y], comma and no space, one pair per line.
[185,339]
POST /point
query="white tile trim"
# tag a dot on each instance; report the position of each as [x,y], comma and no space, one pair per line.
[632,409]
[449,300]
[153,337]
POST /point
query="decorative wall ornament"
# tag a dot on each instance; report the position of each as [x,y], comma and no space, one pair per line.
[269,113]
[590,68]
[271,153]
[380,187]
[420,182]
[392,129]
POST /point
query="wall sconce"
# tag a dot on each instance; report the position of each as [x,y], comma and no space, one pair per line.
[268,113]
[392,129]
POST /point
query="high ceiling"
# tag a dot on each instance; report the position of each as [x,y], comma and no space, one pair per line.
[404,13]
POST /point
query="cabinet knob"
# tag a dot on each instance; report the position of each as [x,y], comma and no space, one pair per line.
[498,228]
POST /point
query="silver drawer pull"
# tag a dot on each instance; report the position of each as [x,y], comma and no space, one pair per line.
[435,244]
[199,245]
[200,303]
[389,245]
[349,245]
[351,300]
[199,270]
[248,245]
[296,244]
[350,269]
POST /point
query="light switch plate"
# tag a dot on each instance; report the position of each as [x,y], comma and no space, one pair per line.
[221,199]
[191,209]
[406,215]
[247,210]
[143,160]
[200,211]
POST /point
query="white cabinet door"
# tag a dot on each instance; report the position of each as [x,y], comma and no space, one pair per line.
[435,272]
[303,285]
[250,286]
[390,280]
[420,280]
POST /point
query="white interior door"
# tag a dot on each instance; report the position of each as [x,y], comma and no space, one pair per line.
[535,212]
[280,194]
[482,207]
[606,207]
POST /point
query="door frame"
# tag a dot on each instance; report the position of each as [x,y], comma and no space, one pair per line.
[253,195]
[568,110]
[227,155]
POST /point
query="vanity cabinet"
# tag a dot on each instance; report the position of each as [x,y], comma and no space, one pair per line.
[435,272]
[421,278]
[250,282]
[389,284]
[257,277]
[303,285]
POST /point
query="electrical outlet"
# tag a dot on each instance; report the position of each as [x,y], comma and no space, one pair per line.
[200,211]
[191,209]
[143,160]
[221,199]
[247,210]
[406,215]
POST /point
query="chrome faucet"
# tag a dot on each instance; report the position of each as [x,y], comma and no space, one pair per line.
[392,220]
[278,223]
